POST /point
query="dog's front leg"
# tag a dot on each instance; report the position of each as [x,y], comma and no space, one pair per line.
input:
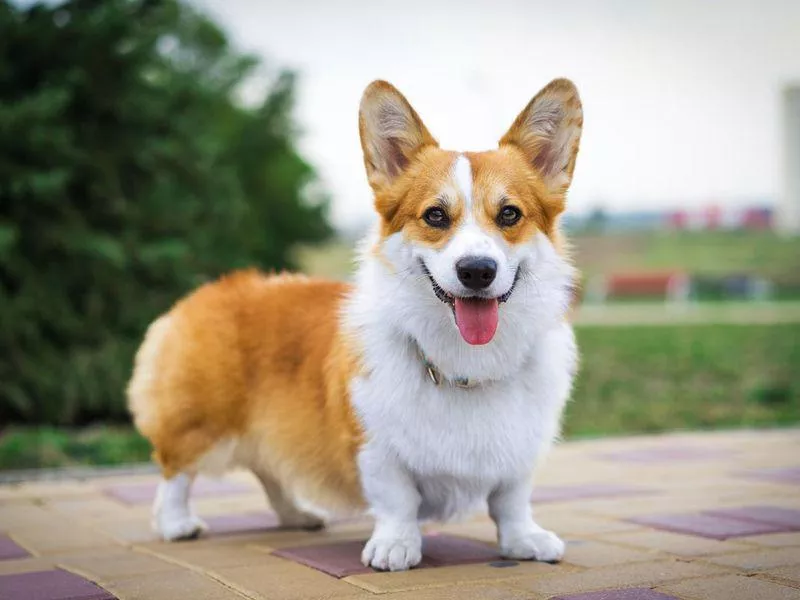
[396,542]
[518,535]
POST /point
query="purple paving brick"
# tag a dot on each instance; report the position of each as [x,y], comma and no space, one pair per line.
[670,454]
[447,550]
[789,518]
[340,559]
[241,523]
[344,558]
[50,585]
[626,594]
[145,493]
[10,550]
[781,475]
[708,526]
[563,493]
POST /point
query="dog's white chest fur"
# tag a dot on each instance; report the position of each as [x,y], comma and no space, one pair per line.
[440,451]
[460,444]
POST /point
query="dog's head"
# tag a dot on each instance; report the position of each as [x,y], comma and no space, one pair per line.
[472,223]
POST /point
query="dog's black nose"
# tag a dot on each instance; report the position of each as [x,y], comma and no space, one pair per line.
[476,273]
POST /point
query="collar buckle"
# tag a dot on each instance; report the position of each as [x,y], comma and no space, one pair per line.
[435,376]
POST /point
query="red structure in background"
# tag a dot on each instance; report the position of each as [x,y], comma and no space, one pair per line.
[757,219]
[715,217]
[674,286]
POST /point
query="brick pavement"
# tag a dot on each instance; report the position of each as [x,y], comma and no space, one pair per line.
[691,516]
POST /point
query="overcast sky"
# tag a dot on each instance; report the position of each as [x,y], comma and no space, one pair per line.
[681,97]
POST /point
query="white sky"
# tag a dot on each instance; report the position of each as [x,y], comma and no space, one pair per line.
[681,97]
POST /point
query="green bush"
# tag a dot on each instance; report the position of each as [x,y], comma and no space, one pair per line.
[129,173]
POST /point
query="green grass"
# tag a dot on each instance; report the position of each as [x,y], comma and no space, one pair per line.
[632,380]
[44,447]
[661,378]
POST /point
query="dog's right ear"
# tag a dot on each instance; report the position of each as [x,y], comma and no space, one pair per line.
[391,133]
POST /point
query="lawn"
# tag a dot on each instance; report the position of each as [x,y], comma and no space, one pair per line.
[632,380]
[637,379]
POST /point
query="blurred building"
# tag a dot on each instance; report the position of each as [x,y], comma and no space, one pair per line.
[751,218]
[758,216]
[788,217]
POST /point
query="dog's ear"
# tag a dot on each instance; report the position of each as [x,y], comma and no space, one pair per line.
[548,131]
[391,133]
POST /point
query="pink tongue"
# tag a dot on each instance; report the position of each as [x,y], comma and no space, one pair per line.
[476,320]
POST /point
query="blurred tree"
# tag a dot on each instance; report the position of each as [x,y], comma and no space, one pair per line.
[597,220]
[129,173]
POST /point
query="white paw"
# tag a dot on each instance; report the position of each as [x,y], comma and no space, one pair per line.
[301,520]
[392,554]
[183,527]
[541,545]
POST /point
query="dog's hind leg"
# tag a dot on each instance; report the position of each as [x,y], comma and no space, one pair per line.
[288,513]
[172,517]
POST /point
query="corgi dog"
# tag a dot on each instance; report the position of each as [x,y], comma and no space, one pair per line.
[427,389]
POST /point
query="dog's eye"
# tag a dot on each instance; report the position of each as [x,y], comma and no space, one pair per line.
[508,216]
[436,217]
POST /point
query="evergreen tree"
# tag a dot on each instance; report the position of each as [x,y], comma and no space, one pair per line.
[129,174]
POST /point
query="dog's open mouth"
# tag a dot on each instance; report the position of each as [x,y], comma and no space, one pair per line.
[476,316]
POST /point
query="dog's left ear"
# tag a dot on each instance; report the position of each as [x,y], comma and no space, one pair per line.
[548,132]
[391,133]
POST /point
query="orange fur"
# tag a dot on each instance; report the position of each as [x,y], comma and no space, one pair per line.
[241,358]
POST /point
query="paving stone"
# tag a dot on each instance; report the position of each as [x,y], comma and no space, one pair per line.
[775,515]
[418,579]
[25,515]
[145,493]
[637,506]
[483,530]
[241,523]
[338,560]
[789,475]
[565,493]
[449,550]
[667,454]
[594,553]
[788,575]
[642,574]
[678,544]
[623,594]
[478,591]
[9,549]
[778,540]
[595,503]
[207,556]
[343,559]
[234,504]
[731,587]
[705,525]
[26,565]
[50,585]
[104,567]
[128,531]
[94,508]
[570,523]
[172,585]
[280,578]
[55,540]
[759,560]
